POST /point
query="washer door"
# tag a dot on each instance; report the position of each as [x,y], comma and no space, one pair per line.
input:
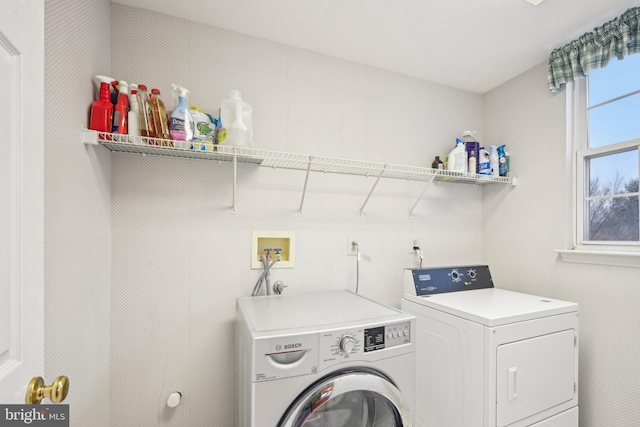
[350,398]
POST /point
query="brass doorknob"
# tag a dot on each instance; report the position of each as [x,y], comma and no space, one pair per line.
[57,391]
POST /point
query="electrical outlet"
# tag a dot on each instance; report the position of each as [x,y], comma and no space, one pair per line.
[351,248]
[415,241]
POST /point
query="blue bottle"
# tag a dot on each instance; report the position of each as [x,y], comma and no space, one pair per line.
[181,126]
[503,166]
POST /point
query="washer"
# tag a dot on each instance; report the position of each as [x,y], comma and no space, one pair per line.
[330,358]
[490,357]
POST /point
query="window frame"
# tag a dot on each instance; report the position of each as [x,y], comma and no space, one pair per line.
[581,152]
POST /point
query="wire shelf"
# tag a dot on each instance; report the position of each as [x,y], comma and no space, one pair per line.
[282,160]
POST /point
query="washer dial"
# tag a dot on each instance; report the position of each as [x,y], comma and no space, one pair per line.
[347,344]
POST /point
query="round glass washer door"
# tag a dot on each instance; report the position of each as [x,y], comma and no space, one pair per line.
[363,398]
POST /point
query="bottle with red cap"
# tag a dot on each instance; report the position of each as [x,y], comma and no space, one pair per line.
[159,114]
[121,109]
[145,119]
[134,112]
[102,110]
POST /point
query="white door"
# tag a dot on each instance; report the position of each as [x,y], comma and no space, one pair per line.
[535,375]
[355,397]
[21,196]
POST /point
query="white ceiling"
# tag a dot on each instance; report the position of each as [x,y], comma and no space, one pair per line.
[469,44]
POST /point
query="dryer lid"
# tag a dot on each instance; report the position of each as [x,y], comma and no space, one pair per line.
[494,307]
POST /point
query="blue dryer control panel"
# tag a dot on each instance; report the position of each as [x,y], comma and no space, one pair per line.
[430,281]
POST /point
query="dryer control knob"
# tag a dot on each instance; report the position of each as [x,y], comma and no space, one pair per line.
[347,344]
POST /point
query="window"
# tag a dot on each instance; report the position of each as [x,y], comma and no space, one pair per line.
[607,141]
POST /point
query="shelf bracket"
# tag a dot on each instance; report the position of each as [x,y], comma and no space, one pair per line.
[89,137]
[306,180]
[429,181]
[371,191]
[235,177]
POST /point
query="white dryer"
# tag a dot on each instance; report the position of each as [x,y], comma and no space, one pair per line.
[319,359]
[488,357]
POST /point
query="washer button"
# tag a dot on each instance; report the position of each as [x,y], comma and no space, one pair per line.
[406,333]
[389,335]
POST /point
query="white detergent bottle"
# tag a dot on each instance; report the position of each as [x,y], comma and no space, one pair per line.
[457,159]
[495,161]
[134,112]
[484,162]
[235,115]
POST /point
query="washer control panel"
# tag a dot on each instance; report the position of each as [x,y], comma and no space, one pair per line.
[357,342]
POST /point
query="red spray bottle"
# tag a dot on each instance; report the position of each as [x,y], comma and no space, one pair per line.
[102,110]
[121,109]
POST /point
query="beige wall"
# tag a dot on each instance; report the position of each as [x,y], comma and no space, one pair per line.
[153,311]
[521,228]
[181,258]
[77,210]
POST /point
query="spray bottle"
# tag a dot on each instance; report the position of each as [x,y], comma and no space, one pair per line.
[145,119]
[134,111]
[102,110]
[181,122]
[113,91]
[120,111]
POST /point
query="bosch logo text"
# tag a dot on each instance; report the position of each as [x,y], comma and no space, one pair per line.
[292,346]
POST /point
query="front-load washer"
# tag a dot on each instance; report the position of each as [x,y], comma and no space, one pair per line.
[489,357]
[331,358]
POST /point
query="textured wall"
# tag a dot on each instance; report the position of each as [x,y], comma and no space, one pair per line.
[77,210]
[181,258]
[521,228]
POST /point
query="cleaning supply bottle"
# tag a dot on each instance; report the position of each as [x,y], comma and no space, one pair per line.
[145,119]
[484,162]
[159,114]
[97,80]
[502,161]
[437,163]
[114,92]
[102,110]
[181,122]
[221,132]
[473,163]
[134,112]
[121,110]
[457,158]
[471,145]
[204,129]
[494,160]
[506,156]
[236,117]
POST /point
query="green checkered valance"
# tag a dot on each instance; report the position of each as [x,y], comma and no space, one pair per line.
[616,38]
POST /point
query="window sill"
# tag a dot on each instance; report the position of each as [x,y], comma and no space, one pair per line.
[623,259]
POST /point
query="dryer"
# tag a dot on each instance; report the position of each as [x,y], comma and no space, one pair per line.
[489,357]
[330,358]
